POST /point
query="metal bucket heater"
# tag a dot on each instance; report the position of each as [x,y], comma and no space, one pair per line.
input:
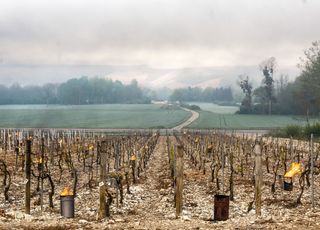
[221,207]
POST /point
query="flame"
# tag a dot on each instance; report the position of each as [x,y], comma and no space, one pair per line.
[38,160]
[295,168]
[66,192]
[133,157]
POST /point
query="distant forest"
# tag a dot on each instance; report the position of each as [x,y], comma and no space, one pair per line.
[79,91]
[84,90]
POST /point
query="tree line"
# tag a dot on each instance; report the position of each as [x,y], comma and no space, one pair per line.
[208,94]
[300,97]
[76,91]
[84,90]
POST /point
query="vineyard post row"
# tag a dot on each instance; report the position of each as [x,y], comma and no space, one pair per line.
[57,155]
[247,157]
[227,158]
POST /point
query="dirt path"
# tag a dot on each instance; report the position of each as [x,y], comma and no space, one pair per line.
[152,197]
[156,185]
[194,116]
[151,203]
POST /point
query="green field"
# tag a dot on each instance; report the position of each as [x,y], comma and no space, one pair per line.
[215,108]
[224,117]
[209,120]
[135,116]
[90,116]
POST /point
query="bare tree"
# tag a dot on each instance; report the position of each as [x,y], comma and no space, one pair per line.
[268,68]
[246,86]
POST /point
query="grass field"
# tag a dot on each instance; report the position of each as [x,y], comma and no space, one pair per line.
[90,116]
[135,116]
[224,117]
[214,108]
[237,121]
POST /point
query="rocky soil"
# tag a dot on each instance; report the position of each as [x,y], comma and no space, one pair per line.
[150,204]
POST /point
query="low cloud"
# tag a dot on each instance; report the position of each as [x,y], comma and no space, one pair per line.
[168,35]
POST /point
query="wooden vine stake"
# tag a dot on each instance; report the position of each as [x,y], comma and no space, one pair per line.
[223,163]
[312,174]
[42,173]
[231,185]
[28,176]
[258,178]
[179,180]
[102,186]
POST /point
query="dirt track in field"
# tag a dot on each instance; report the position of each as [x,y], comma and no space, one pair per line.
[194,116]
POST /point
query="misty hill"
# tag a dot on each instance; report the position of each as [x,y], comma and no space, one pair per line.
[153,78]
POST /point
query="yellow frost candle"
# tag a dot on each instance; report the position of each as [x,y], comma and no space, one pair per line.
[295,168]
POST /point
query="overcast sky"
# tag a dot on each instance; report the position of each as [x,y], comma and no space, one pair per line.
[170,35]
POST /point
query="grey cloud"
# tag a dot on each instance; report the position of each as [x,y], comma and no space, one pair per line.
[160,34]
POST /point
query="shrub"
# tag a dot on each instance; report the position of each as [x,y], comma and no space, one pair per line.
[195,107]
[295,131]
[315,129]
[192,107]
[298,132]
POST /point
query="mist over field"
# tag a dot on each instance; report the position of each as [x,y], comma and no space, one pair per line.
[228,52]
[153,78]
